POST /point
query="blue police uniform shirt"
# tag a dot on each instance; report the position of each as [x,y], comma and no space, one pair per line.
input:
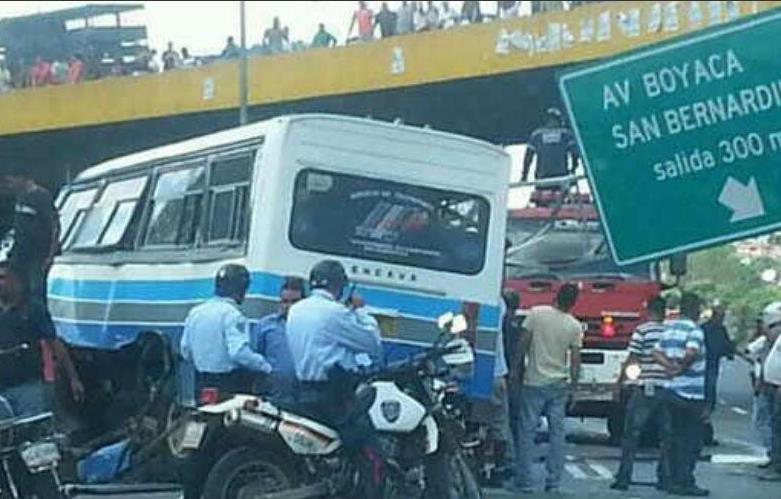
[216,339]
[323,333]
[269,338]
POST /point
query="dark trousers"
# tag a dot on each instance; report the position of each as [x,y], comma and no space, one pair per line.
[775,436]
[641,411]
[711,398]
[686,437]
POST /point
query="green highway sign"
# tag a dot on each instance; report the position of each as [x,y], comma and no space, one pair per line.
[682,140]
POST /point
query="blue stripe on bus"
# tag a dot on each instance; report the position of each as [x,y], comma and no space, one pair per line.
[115,336]
[263,284]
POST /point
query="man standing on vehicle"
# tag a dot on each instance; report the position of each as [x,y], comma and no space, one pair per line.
[216,338]
[554,146]
[550,334]
[646,403]
[681,351]
[25,328]
[329,339]
[717,345]
[269,338]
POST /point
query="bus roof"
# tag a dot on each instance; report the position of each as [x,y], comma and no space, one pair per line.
[247,133]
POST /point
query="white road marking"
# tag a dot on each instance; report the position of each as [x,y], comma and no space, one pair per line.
[575,471]
[737,459]
[722,402]
[750,447]
[603,472]
[739,410]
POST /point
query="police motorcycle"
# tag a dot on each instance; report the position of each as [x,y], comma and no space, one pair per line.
[29,451]
[251,448]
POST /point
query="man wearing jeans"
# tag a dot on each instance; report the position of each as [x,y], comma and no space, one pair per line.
[646,403]
[549,334]
[681,351]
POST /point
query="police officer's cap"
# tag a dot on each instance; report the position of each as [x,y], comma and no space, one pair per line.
[326,274]
[231,279]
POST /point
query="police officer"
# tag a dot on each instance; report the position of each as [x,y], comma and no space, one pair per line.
[216,339]
[554,146]
[329,338]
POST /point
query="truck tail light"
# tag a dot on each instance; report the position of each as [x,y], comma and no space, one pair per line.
[608,327]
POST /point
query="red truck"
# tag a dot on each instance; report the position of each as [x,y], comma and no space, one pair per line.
[558,238]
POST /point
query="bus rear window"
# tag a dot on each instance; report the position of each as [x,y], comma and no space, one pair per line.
[405,224]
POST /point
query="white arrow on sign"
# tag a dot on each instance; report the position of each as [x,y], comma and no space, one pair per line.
[744,200]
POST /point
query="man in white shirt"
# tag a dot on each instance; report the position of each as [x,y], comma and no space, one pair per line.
[771,319]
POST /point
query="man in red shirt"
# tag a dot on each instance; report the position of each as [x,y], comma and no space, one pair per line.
[40,73]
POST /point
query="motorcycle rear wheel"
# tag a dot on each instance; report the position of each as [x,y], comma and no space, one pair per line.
[248,472]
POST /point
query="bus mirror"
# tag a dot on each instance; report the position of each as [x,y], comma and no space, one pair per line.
[678,264]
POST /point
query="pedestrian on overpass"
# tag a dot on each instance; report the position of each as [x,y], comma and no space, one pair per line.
[646,404]
[771,319]
[681,351]
[717,345]
[550,334]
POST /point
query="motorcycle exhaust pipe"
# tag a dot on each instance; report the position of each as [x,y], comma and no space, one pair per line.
[249,420]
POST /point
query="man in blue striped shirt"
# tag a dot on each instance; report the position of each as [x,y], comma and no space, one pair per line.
[681,351]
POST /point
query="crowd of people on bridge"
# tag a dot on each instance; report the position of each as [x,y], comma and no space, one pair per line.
[368,23]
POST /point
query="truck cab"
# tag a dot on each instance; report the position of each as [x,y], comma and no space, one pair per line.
[555,239]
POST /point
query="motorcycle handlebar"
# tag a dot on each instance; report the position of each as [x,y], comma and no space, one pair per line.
[21,347]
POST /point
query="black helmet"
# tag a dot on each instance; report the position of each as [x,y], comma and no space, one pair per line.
[327,274]
[231,280]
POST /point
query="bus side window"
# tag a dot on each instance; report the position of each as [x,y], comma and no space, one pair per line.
[228,215]
[174,211]
[106,221]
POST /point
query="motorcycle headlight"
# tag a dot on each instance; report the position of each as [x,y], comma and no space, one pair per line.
[632,372]
[40,456]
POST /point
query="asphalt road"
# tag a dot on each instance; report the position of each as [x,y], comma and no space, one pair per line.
[728,470]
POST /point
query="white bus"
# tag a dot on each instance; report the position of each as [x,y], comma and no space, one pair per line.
[416,216]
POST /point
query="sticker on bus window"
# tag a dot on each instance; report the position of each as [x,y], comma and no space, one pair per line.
[319,182]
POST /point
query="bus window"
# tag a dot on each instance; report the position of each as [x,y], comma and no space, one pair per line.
[72,210]
[175,207]
[229,195]
[375,219]
[106,221]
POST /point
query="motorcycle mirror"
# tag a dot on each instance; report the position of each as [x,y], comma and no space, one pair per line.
[444,320]
[460,324]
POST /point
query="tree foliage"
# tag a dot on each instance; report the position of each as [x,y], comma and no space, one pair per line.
[719,274]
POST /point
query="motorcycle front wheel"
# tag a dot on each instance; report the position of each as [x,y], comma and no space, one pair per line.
[248,472]
[449,476]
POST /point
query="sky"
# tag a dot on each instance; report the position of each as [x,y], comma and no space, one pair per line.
[202,27]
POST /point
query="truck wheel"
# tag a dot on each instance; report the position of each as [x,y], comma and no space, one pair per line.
[248,472]
[615,425]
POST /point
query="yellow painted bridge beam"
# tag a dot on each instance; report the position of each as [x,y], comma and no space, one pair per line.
[590,32]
